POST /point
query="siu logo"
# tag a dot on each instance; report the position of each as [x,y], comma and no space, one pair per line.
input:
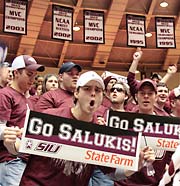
[48,147]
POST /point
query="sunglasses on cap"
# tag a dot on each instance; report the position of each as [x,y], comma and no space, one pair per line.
[4,64]
[117,89]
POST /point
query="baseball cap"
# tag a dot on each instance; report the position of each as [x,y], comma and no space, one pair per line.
[27,62]
[88,76]
[107,80]
[66,67]
[155,75]
[175,93]
[147,81]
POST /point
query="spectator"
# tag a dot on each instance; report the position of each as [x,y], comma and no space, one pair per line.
[38,90]
[50,83]
[5,74]
[13,106]
[173,170]
[68,76]
[174,98]
[156,77]
[50,171]
[39,79]
[161,99]
[108,82]
[146,96]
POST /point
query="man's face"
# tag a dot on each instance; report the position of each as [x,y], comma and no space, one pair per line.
[156,80]
[4,75]
[69,79]
[162,94]
[110,84]
[146,98]
[117,94]
[25,79]
[89,97]
[40,80]
[52,83]
[175,104]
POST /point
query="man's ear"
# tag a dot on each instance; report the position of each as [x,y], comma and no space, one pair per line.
[76,92]
[15,73]
[60,78]
[126,98]
[172,103]
[135,97]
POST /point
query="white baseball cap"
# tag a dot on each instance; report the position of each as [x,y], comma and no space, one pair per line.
[88,76]
[27,62]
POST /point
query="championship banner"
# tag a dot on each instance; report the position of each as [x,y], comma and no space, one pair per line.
[57,137]
[136,30]
[158,132]
[15,16]
[165,32]
[94,27]
[62,23]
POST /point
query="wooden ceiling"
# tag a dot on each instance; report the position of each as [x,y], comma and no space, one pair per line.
[114,55]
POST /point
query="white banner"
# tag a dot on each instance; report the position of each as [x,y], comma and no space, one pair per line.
[165,32]
[93,27]
[15,17]
[136,30]
[74,140]
[62,23]
[158,132]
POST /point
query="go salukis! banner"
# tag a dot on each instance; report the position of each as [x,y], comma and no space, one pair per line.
[158,132]
[68,139]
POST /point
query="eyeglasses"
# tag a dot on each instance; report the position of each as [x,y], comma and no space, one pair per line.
[117,89]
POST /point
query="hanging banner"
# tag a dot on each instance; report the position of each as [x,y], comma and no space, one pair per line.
[158,132]
[15,16]
[136,30]
[165,32]
[94,27]
[74,140]
[62,23]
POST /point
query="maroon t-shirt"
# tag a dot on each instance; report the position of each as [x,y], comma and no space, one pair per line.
[13,107]
[54,99]
[106,102]
[43,171]
[160,112]
[34,99]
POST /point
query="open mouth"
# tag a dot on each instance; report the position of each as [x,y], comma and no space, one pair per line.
[92,102]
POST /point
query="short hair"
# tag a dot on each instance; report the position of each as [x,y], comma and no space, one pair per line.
[125,86]
[162,84]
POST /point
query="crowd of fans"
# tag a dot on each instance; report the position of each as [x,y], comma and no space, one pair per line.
[86,97]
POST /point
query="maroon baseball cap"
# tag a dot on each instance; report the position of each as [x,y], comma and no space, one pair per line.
[27,62]
[107,80]
[175,93]
[148,82]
